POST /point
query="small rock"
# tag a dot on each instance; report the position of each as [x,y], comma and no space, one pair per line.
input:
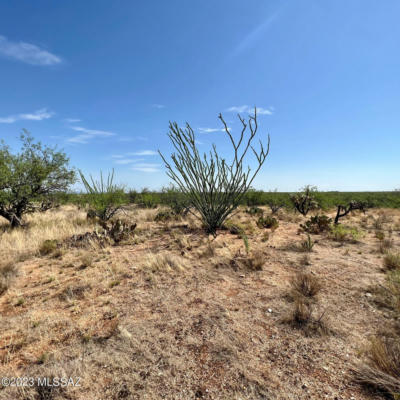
[368,294]
[241,276]
[269,310]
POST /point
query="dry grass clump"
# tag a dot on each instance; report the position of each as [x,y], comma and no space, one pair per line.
[305,284]
[253,261]
[382,367]
[391,261]
[385,245]
[164,263]
[302,317]
[7,272]
[304,288]
[48,246]
[73,292]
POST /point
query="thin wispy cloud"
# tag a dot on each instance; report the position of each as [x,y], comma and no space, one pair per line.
[210,130]
[146,167]
[144,153]
[125,161]
[38,115]
[72,120]
[159,106]
[27,53]
[87,135]
[249,109]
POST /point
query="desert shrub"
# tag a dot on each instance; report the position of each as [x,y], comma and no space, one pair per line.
[132,196]
[317,224]
[29,179]
[342,233]
[305,201]
[147,199]
[163,216]
[392,261]
[48,246]
[214,186]
[176,200]
[307,244]
[104,197]
[268,222]
[306,284]
[275,202]
[254,197]
[254,211]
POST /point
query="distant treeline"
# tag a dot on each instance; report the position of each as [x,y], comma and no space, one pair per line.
[326,200]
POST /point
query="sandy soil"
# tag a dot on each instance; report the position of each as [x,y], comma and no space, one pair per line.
[174,314]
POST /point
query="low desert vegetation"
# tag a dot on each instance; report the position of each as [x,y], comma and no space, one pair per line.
[183,293]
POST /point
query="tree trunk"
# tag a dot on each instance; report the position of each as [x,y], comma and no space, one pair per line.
[14,219]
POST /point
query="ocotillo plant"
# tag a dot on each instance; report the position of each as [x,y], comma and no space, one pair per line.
[214,186]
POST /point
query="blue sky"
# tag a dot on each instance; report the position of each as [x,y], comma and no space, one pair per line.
[102,79]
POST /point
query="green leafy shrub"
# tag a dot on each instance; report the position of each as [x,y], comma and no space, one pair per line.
[268,222]
[317,224]
[146,199]
[342,233]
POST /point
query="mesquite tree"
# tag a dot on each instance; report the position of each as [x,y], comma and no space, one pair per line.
[29,179]
[214,186]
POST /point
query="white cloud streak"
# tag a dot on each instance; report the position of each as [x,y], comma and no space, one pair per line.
[146,167]
[87,135]
[27,53]
[159,106]
[248,109]
[38,115]
[143,153]
[210,130]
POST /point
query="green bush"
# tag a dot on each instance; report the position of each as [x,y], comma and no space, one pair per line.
[342,233]
[317,224]
[254,211]
[268,222]
[174,198]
